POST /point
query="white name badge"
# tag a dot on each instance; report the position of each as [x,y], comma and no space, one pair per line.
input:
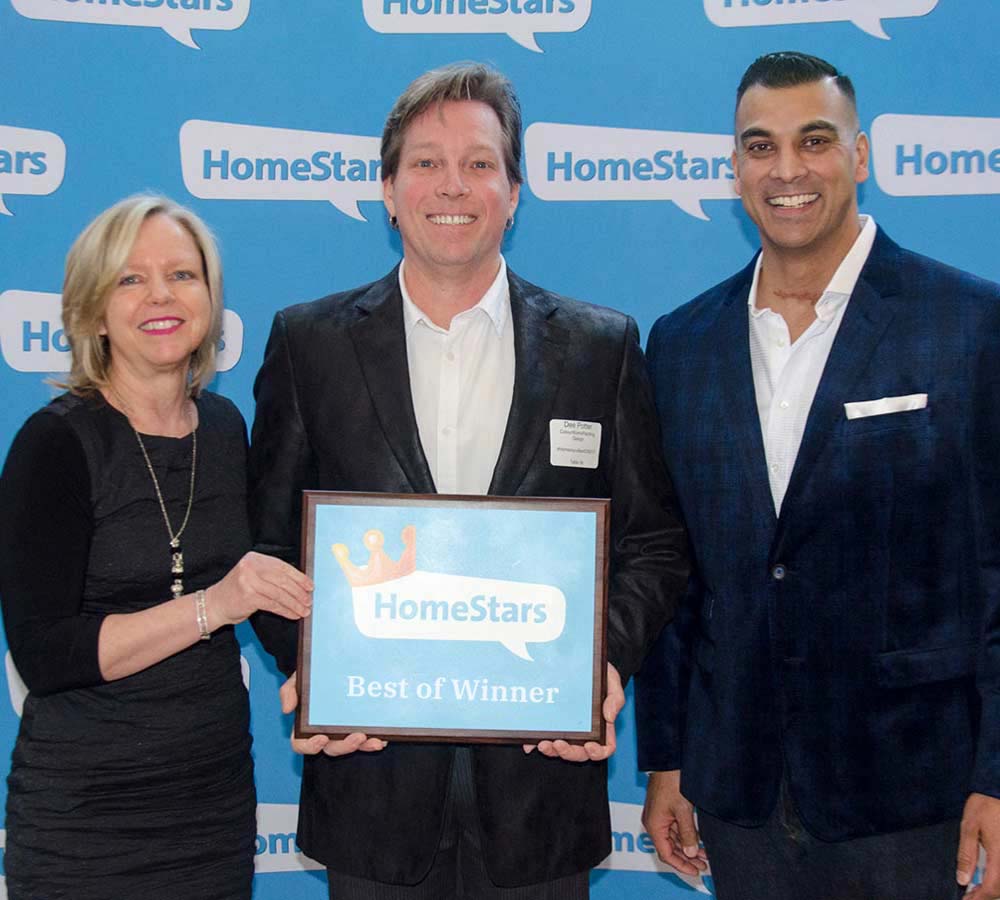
[575,444]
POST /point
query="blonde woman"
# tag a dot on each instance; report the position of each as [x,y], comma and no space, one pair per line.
[123,569]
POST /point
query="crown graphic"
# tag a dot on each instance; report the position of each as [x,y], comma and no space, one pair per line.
[380,566]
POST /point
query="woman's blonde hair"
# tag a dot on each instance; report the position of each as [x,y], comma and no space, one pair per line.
[93,265]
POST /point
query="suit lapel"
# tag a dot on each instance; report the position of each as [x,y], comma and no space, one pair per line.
[380,342]
[539,356]
[865,320]
[735,379]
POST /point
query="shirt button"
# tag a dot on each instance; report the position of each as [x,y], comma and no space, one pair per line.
[774,467]
[784,404]
[778,572]
[450,356]
[446,429]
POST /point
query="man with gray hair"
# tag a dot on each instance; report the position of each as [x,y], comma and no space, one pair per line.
[444,376]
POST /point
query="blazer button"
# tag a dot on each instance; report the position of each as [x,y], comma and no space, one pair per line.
[778,572]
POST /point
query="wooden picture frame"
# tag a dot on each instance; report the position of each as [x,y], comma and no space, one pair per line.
[425,608]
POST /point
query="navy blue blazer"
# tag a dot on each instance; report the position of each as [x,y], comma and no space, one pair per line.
[854,640]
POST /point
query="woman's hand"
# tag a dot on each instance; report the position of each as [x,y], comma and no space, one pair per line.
[258,582]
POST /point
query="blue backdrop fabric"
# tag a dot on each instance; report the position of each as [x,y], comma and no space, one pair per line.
[264,117]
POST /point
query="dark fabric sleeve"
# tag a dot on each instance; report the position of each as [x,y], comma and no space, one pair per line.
[661,685]
[649,547]
[984,440]
[45,529]
[661,688]
[281,465]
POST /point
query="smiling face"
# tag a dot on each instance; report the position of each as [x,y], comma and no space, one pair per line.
[451,194]
[159,310]
[798,160]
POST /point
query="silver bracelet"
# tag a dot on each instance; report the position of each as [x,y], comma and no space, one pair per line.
[202,613]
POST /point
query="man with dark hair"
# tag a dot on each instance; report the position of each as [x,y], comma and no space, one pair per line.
[790,69]
[445,376]
[828,696]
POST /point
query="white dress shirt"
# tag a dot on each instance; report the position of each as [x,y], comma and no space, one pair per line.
[461,383]
[786,375]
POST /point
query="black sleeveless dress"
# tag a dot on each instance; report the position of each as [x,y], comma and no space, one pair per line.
[142,787]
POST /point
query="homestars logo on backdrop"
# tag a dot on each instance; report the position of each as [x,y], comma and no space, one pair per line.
[631,847]
[277,848]
[521,20]
[588,162]
[32,337]
[176,17]
[866,14]
[936,156]
[222,161]
[31,162]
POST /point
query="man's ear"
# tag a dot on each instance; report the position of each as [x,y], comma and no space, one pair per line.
[388,185]
[737,184]
[862,148]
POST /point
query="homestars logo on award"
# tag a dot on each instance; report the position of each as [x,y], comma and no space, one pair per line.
[479,616]
[396,600]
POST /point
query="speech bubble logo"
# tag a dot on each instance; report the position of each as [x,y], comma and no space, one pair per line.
[277,849]
[231,342]
[31,162]
[32,337]
[31,332]
[589,162]
[936,156]
[436,607]
[521,20]
[866,14]
[223,161]
[170,15]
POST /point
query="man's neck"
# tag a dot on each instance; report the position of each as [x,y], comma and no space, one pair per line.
[444,295]
[792,282]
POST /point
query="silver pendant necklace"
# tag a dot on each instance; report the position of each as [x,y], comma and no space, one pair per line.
[176,553]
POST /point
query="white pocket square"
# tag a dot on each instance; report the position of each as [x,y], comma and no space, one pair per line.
[862,408]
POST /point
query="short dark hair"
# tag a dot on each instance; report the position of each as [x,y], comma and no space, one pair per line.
[789,68]
[458,81]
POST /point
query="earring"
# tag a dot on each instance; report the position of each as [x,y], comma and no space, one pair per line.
[510,223]
[394,223]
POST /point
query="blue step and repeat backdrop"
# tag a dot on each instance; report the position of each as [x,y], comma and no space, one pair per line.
[264,116]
